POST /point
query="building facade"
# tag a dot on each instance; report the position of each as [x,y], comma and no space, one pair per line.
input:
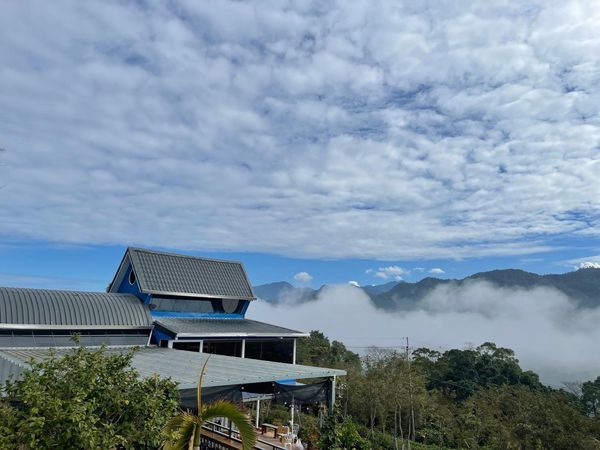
[177,308]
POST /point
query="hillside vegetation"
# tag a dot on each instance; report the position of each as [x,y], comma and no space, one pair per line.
[472,398]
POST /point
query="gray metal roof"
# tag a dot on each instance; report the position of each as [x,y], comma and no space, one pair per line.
[41,308]
[184,327]
[64,338]
[184,367]
[182,275]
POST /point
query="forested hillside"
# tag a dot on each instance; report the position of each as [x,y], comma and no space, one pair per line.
[473,398]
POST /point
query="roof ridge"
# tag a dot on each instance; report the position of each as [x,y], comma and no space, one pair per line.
[183,255]
[65,291]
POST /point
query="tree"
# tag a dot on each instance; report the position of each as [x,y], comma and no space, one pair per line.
[316,350]
[590,397]
[521,417]
[86,399]
[338,433]
[185,429]
[461,373]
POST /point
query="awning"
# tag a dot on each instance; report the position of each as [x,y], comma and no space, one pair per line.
[189,328]
[184,366]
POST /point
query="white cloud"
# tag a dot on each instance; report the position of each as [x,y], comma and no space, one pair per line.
[410,130]
[541,325]
[588,262]
[385,273]
[589,265]
[303,277]
[436,270]
[354,283]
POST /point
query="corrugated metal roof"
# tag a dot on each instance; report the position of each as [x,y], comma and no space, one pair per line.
[189,327]
[173,274]
[41,308]
[184,367]
[64,338]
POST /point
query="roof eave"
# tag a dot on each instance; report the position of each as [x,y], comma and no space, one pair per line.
[34,326]
[239,335]
[192,295]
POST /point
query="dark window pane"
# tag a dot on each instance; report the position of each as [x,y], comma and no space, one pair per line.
[189,346]
[228,348]
[279,350]
[182,305]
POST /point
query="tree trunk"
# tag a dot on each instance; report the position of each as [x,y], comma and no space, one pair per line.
[197,435]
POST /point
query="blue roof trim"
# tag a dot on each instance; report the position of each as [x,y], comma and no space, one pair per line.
[189,315]
[158,335]
[292,381]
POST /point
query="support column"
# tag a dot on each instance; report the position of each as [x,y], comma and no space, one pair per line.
[201,346]
[332,396]
[294,352]
[243,348]
[257,412]
[169,344]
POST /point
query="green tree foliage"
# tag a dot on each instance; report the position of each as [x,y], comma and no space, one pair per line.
[590,397]
[474,398]
[521,418]
[339,433]
[316,350]
[461,373]
[87,399]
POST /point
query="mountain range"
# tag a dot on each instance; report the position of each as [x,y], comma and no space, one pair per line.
[582,286]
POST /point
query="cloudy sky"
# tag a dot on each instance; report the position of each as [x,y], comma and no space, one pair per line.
[316,141]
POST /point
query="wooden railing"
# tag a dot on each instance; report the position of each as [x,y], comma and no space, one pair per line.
[218,437]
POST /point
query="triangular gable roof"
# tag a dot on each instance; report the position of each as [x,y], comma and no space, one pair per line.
[172,274]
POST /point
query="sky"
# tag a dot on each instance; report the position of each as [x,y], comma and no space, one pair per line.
[317,142]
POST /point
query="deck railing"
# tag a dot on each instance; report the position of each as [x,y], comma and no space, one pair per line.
[209,443]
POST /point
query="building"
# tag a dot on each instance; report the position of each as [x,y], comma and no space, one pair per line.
[178,309]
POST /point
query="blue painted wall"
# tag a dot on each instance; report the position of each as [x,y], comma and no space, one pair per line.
[127,288]
[158,335]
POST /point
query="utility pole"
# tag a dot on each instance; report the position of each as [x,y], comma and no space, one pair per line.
[411,428]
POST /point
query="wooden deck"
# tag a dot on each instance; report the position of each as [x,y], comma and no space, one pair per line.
[216,437]
[268,443]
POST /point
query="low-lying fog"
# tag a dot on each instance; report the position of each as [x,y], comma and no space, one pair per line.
[547,332]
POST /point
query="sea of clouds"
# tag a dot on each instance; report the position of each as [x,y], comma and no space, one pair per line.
[547,332]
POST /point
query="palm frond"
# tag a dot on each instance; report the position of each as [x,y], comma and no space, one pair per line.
[183,426]
[241,420]
[173,424]
[184,438]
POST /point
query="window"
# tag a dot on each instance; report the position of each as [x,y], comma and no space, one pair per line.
[278,350]
[227,348]
[230,305]
[132,277]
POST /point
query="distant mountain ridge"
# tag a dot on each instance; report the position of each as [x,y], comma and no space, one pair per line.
[583,286]
[283,292]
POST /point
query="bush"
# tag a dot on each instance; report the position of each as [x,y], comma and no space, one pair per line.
[87,399]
